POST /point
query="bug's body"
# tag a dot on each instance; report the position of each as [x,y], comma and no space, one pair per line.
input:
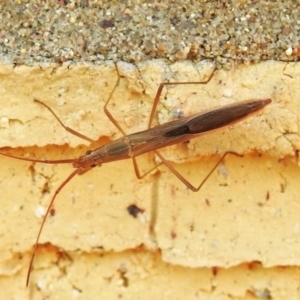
[170,133]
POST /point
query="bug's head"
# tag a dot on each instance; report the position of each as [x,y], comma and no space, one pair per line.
[87,161]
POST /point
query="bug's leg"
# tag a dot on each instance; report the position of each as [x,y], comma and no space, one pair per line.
[107,112]
[137,171]
[163,84]
[184,180]
[63,125]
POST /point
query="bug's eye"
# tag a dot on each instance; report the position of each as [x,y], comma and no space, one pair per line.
[88,152]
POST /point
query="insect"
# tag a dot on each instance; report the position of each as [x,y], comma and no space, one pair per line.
[152,139]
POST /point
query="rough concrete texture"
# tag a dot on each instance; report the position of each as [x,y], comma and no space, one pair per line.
[237,238]
[133,31]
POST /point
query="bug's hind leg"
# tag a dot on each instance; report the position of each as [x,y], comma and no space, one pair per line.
[177,174]
[163,84]
[184,180]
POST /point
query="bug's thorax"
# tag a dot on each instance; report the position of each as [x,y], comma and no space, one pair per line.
[116,150]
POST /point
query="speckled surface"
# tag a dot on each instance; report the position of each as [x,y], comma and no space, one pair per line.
[94,31]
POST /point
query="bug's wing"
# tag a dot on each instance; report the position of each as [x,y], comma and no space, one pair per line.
[218,117]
